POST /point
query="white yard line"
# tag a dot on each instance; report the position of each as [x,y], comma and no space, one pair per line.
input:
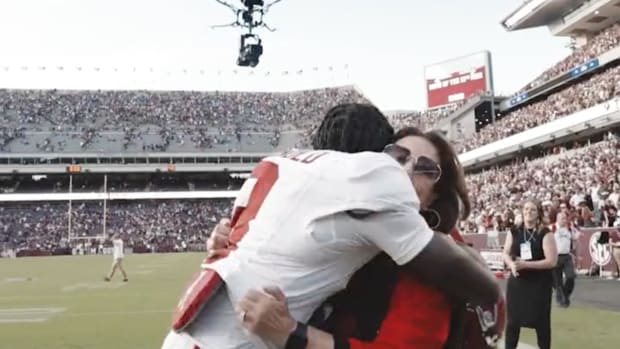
[13,280]
[142,272]
[20,321]
[28,315]
[149,266]
[92,286]
[34,315]
[66,296]
[30,310]
[111,313]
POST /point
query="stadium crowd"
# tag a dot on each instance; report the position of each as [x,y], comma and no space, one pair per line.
[173,224]
[585,181]
[422,119]
[597,89]
[205,118]
[599,44]
[198,116]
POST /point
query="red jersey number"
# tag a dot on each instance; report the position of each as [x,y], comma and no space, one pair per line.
[266,175]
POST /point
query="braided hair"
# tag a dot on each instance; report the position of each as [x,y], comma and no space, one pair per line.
[353,128]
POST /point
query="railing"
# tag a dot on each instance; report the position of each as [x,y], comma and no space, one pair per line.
[590,253]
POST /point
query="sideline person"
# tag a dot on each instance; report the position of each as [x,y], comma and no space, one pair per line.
[118,255]
[531,254]
[564,273]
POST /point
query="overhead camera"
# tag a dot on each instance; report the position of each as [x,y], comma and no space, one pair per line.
[250,50]
[249,17]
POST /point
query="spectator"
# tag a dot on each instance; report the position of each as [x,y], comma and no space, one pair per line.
[531,254]
[153,224]
[561,179]
[599,44]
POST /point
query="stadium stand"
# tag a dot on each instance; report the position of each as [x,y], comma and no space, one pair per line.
[600,43]
[425,120]
[594,90]
[585,176]
[134,121]
[35,121]
[162,225]
[86,183]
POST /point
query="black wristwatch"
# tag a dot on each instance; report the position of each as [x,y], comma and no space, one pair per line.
[299,338]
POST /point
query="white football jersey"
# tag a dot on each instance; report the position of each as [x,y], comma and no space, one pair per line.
[302,239]
[117,249]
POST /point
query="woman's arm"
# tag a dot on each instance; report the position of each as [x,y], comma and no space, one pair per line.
[551,256]
[507,246]
[318,339]
[511,264]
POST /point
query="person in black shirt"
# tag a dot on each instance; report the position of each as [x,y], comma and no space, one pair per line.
[531,254]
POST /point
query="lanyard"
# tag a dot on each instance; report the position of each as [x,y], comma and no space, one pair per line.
[526,233]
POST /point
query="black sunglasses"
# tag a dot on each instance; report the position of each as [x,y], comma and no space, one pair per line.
[422,165]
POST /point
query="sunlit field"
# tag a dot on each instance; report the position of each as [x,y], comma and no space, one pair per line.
[63,303]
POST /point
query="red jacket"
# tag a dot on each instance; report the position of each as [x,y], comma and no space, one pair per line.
[419,316]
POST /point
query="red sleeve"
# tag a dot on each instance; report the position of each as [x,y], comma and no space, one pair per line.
[456,235]
[418,318]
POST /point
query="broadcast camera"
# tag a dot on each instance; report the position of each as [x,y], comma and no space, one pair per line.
[250,17]
[250,50]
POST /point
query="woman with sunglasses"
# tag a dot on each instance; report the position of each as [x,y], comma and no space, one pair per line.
[383,307]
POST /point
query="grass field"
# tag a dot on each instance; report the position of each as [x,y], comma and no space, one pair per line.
[62,302]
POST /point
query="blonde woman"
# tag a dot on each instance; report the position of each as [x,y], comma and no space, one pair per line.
[531,254]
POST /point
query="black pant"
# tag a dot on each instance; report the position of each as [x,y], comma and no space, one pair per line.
[564,279]
[543,336]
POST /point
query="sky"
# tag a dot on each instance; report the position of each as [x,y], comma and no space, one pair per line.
[382,46]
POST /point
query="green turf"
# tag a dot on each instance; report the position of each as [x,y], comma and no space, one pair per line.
[578,327]
[136,315]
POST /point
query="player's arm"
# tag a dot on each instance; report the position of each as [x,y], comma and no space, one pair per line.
[455,272]
[433,258]
[397,228]
[266,314]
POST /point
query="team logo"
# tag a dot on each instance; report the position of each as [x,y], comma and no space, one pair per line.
[600,254]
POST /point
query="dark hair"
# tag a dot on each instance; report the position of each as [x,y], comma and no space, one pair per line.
[447,209]
[353,128]
[539,211]
[451,187]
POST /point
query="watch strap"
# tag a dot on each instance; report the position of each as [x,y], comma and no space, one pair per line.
[298,339]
